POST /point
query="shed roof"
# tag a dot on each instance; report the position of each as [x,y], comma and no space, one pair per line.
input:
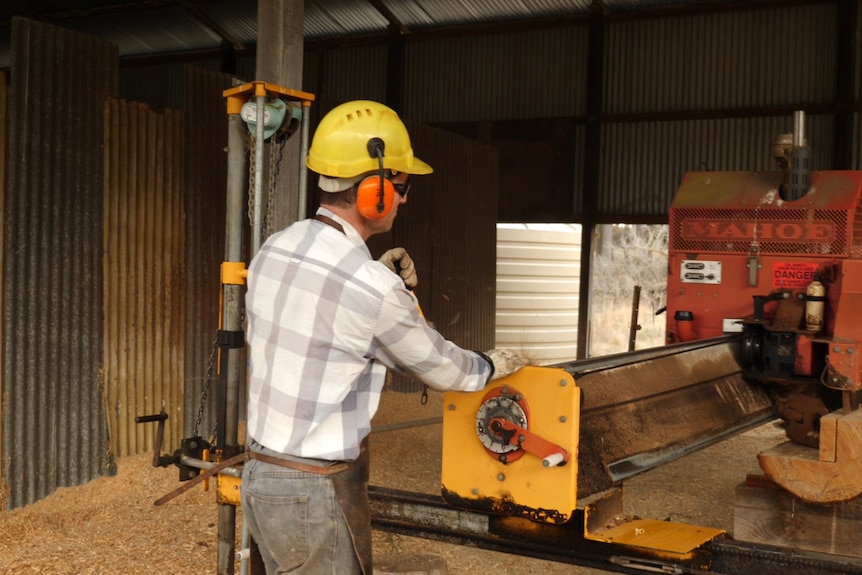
[151,28]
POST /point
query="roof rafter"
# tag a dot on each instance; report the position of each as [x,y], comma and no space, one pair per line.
[394,22]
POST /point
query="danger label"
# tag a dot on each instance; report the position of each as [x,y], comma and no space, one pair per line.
[793,275]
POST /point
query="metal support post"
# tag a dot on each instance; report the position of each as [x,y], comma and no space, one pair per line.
[231,313]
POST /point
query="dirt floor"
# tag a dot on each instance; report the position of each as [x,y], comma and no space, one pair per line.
[110,525]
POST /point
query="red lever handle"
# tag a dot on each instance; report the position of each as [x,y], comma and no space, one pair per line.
[550,453]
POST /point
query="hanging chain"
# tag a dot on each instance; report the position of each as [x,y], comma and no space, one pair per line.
[205,391]
[276,155]
[252,153]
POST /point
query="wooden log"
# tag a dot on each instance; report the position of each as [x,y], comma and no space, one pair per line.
[764,513]
[831,474]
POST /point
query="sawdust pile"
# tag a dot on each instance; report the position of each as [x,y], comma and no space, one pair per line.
[110,526]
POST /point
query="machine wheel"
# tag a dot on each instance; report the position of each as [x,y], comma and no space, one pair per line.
[752,347]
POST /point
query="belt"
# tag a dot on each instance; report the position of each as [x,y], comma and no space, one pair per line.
[327,470]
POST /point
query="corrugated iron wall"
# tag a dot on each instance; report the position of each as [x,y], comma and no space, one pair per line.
[350,74]
[496,77]
[738,60]
[857,92]
[4,413]
[160,86]
[680,92]
[857,51]
[206,200]
[144,273]
[455,246]
[55,425]
[857,142]
[733,64]
[643,163]
[197,90]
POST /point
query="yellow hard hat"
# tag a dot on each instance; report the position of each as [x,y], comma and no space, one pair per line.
[340,146]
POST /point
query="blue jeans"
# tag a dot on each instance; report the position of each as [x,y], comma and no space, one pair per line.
[296,522]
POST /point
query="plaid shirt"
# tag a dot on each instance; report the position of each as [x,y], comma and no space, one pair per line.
[325,320]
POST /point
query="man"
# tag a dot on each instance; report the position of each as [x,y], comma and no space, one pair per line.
[325,321]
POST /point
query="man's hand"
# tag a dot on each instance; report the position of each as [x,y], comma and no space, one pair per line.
[400,263]
[505,362]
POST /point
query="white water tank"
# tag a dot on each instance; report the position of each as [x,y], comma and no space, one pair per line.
[538,280]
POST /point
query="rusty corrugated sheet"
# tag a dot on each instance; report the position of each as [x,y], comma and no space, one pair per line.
[144,266]
[55,430]
[206,200]
[198,92]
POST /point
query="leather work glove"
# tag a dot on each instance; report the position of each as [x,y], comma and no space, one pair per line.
[505,362]
[399,261]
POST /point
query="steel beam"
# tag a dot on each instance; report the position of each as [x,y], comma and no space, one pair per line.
[645,408]
[428,516]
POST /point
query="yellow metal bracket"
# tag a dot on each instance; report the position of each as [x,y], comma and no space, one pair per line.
[604,521]
[239,95]
[228,492]
[233,273]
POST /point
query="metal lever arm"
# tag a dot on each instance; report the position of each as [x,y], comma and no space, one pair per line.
[159,460]
[550,453]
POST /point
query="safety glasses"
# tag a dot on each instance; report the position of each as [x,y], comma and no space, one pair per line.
[402,189]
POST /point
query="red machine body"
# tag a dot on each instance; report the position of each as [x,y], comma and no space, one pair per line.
[784,273]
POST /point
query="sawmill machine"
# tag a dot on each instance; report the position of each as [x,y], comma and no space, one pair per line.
[764,294]
[776,257]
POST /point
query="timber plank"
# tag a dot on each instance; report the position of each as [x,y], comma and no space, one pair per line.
[767,514]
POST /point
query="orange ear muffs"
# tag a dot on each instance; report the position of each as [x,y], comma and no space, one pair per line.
[374,198]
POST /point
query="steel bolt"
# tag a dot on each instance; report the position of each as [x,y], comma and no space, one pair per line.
[501,477]
[562,419]
[451,407]
[563,382]
[474,491]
